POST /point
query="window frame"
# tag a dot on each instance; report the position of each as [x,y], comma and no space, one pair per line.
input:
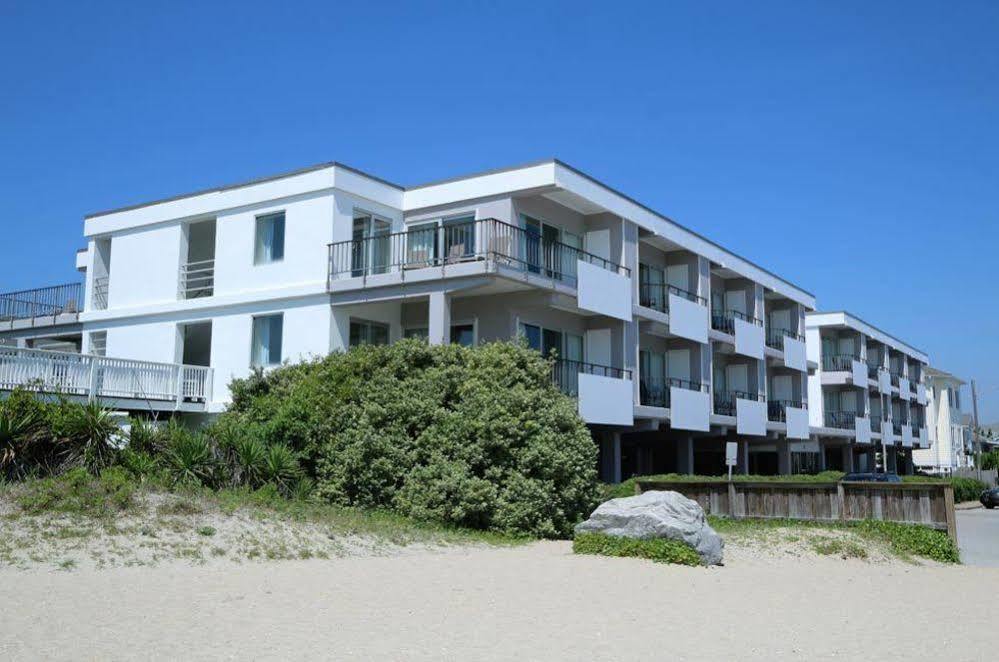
[253,328]
[257,260]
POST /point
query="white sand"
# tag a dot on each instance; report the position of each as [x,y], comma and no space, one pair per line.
[537,602]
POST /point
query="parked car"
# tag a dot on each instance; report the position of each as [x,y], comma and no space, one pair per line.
[870,477]
[990,498]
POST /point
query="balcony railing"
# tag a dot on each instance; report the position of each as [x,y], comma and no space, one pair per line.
[654,391]
[102,377]
[912,386]
[100,293]
[776,335]
[872,371]
[842,420]
[896,428]
[876,424]
[839,362]
[777,409]
[656,296]
[566,373]
[41,302]
[444,245]
[197,279]
[725,401]
[724,320]
[895,379]
[915,429]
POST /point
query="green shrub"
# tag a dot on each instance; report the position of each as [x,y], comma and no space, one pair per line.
[190,458]
[912,539]
[78,492]
[967,489]
[661,550]
[990,460]
[627,488]
[477,437]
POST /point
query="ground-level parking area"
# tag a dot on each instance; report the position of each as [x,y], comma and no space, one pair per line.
[627,454]
[978,536]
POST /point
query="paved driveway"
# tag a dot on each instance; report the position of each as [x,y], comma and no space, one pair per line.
[978,536]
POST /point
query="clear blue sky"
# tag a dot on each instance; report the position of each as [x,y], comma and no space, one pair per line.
[852,147]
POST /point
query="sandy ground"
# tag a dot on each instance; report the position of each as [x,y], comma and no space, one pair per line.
[534,602]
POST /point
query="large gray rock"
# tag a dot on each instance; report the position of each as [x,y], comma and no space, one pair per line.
[656,514]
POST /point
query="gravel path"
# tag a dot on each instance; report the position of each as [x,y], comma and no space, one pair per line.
[536,602]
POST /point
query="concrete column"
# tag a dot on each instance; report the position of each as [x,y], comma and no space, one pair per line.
[783,457]
[616,454]
[742,461]
[439,327]
[848,458]
[339,329]
[685,455]
[822,457]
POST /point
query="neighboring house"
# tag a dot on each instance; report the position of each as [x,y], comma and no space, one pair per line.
[868,395]
[671,344]
[950,428]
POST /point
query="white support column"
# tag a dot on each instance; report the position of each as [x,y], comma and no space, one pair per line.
[439,332]
[339,329]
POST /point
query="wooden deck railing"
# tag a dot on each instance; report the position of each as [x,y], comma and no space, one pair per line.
[930,504]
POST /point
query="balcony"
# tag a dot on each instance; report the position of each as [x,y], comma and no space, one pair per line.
[872,371]
[656,296]
[46,302]
[724,320]
[839,362]
[895,378]
[197,279]
[654,391]
[444,246]
[876,424]
[841,420]
[725,401]
[775,337]
[896,429]
[566,373]
[147,385]
[913,387]
[777,409]
[100,293]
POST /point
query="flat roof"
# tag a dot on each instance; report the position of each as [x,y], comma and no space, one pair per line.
[337,164]
[866,323]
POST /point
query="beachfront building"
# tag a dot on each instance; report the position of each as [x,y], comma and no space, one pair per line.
[868,395]
[670,343]
[949,428]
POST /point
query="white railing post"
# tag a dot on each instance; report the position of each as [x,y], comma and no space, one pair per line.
[180,385]
[92,387]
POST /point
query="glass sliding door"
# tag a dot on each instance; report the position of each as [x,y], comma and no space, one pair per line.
[459,238]
[422,245]
[370,250]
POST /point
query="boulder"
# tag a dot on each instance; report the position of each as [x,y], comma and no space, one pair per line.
[656,514]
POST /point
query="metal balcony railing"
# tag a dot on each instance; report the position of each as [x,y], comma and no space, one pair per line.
[876,424]
[872,370]
[443,245]
[895,379]
[197,279]
[724,320]
[777,409]
[912,386]
[565,374]
[654,391]
[41,302]
[100,293]
[656,296]
[776,335]
[915,429]
[102,377]
[842,420]
[724,401]
[839,362]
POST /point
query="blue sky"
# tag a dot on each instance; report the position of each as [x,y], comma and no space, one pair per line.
[851,147]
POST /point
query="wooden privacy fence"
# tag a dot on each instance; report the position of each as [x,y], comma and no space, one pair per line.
[929,504]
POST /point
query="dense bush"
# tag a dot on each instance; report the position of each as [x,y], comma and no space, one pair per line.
[661,550]
[40,438]
[967,489]
[478,437]
[912,539]
[627,488]
[990,460]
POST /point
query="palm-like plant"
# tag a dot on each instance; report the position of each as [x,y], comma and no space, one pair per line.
[15,432]
[281,468]
[191,458]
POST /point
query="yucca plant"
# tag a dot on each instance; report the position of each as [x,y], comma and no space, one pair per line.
[250,461]
[281,468]
[16,428]
[191,458]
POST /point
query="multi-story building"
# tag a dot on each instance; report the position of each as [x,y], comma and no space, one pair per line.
[868,395]
[671,343]
[949,430]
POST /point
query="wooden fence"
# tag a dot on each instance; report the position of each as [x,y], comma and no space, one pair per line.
[929,504]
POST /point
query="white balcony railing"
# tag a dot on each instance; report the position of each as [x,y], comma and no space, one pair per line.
[96,377]
[197,279]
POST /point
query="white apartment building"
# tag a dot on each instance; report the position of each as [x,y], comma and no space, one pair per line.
[671,344]
[950,434]
[868,395]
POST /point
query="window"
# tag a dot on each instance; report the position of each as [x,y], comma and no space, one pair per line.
[463,334]
[266,346]
[566,346]
[269,246]
[368,333]
[417,332]
[98,343]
